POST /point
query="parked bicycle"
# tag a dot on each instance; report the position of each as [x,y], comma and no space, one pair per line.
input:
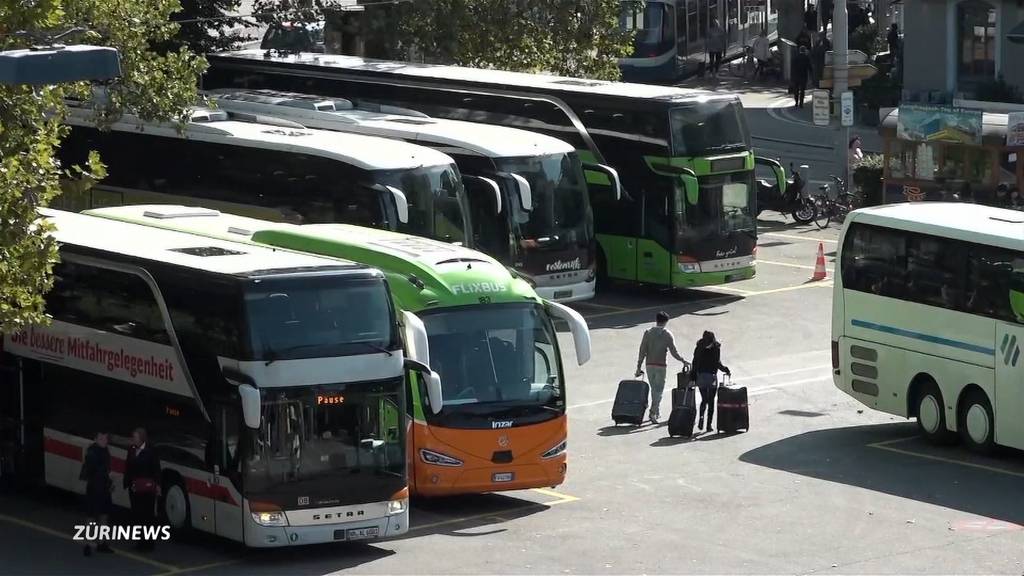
[836,206]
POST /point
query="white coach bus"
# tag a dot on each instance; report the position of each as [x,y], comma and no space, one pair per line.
[928,318]
[271,382]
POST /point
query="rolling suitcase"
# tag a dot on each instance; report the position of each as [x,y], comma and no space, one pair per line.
[733,412]
[630,402]
[684,411]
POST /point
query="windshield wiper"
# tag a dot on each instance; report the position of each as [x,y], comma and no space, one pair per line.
[724,147]
[275,355]
[376,347]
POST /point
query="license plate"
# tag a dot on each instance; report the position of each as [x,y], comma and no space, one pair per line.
[559,294]
[363,533]
[503,477]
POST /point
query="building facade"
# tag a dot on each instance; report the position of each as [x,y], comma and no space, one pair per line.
[954,48]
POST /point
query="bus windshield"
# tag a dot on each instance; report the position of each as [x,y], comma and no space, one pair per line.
[725,204]
[438,207]
[496,361]
[701,128]
[307,317]
[560,202]
[327,445]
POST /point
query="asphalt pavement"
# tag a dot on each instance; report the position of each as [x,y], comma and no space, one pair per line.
[819,484]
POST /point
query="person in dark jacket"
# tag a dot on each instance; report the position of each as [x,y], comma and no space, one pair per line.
[142,480]
[96,474]
[707,361]
[801,70]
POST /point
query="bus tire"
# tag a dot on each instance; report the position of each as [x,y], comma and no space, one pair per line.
[977,424]
[931,414]
[175,510]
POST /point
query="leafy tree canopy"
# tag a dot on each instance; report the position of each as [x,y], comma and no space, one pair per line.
[154,85]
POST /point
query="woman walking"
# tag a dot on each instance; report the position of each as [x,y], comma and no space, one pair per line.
[707,361]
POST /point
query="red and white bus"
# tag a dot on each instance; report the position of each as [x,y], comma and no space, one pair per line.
[270,382]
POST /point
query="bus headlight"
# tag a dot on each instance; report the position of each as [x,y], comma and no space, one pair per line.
[266,514]
[557,450]
[687,264]
[438,459]
[397,506]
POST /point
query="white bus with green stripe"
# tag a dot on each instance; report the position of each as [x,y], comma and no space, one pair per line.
[527,192]
[686,215]
[928,318]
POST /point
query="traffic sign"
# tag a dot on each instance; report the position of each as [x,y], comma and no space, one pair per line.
[846,108]
[819,103]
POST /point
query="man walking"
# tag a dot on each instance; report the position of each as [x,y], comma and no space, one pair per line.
[654,348]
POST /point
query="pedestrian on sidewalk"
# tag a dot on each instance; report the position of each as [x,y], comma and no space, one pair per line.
[716,46]
[856,154]
[818,53]
[801,71]
[707,361]
[655,346]
[762,49]
[98,485]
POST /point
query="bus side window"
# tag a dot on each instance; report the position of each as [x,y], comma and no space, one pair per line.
[874,261]
[989,272]
[935,271]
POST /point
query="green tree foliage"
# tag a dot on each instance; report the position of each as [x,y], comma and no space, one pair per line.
[156,86]
[204,26]
[569,37]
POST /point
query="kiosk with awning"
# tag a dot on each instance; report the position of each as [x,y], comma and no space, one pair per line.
[948,153]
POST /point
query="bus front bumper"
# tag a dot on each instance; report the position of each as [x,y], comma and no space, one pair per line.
[444,481]
[682,279]
[575,292]
[259,536]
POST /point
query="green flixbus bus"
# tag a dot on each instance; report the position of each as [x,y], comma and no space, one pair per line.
[686,215]
[501,423]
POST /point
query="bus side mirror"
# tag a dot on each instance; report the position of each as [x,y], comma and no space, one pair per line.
[525,192]
[578,327]
[433,381]
[416,338]
[401,204]
[251,405]
[692,188]
[612,174]
[487,183]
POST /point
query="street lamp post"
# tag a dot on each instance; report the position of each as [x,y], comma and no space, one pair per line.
[840,83]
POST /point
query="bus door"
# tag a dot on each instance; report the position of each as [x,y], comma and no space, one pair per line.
[226,476]
[771,182]
[653,255]
[1008,405]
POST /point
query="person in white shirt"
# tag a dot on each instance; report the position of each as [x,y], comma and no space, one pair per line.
[761,47]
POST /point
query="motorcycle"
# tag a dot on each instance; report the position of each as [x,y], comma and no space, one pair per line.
[793,201]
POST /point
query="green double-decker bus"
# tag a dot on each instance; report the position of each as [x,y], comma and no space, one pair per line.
[498,421]
[686,214]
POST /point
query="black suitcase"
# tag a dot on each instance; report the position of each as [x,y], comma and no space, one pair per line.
[630,402]
[684,411]
[733,410]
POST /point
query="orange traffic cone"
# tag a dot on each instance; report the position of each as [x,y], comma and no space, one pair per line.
[819,264]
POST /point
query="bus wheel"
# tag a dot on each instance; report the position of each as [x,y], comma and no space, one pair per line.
[931,416]
[175,506]
[977,426]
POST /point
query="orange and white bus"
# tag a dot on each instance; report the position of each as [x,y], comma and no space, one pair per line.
[502,424]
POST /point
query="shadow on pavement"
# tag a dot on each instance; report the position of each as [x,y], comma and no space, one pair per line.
[623,305]
[623,430]
[671,441]
[454,514]
[944,476]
